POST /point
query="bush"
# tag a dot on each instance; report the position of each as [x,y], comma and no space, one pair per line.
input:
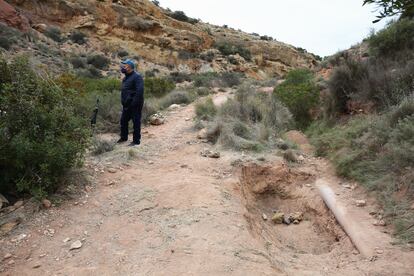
[99,61]
[176,97]
[395,38]
[54,33]
[123,53]
[158,87]
[9,36]
[100,146]
[228,48]
[212,79]
[206,110]
[179,77]
[247,122]
[300,94]
[42,136]
[78,37]
[208,56]
[181,16]
[78,62]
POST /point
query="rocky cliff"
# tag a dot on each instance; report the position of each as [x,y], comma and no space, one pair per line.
[148,33]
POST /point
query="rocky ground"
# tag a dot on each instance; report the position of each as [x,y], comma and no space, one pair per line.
[166,209]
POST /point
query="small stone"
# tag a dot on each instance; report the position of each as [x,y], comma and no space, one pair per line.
[286,220]
[301,158]
[36,266]
[184,166]
[347,186]
[296,216]
[46,203]
[360,203]
[42,255]
[150,162]
[380,223]
[11,262]
[7,256]
[379,251]
[76,245]
[296,222]
[173,106]
[187,119]
[308,185]
[278,218]
[202,134]
[18,204]
[112,170]
[264,216]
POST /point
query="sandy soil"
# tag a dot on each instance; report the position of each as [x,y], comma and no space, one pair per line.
[163,209]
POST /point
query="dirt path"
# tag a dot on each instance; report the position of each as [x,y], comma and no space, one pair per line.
[163,209]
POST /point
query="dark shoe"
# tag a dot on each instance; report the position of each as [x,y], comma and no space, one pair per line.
[120,141]
[134,144]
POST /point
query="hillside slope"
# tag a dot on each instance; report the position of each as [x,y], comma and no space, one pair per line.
[145,30]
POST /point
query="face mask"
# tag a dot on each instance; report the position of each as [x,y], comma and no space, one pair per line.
[123,70]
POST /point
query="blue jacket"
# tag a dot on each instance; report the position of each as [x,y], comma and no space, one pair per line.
[132,92]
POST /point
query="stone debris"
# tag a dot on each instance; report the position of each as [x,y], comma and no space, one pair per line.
[361,203]
[282,218]
[202,134]
[264,216]
[278,218]
[46,203]
[380,223]
[210,154]
[66,240]
[76,245]
[157,119]
[7,256]
[174,106]
[112,170]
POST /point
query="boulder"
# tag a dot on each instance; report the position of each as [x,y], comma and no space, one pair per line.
[13,18]
[157,119]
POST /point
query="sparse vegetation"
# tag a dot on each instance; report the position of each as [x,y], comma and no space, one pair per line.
[227,48]
[158,87]
[226,79]
[54,33]
[99,61]
[248,122]
[181,16]
[78,37]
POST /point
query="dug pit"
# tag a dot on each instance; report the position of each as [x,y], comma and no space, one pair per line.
[279,189]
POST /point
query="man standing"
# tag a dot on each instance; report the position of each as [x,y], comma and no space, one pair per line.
[132,98]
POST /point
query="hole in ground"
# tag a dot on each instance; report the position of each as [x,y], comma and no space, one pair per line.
[278,188]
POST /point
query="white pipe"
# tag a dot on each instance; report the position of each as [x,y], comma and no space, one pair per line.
[356,233]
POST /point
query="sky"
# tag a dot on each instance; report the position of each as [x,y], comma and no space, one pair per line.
[322,27]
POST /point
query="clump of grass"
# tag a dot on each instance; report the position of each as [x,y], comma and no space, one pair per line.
[206,110]
[248,122]
[101,146]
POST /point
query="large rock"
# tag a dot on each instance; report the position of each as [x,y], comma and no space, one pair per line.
[12,17]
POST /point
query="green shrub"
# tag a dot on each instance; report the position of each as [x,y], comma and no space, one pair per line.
[42,136]
[227,48]
[213,79]
[179,77]
[176,97]
[9,36]
[78,62]
[78,37]
[158,87]
[123,53]
[54,33]
[300,94]
[206,110]
[181,16]
[99,61]
[396,37]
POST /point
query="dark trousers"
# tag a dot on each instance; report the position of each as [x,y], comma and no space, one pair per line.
[134,114]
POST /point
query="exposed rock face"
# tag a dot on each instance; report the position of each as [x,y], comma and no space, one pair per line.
[163,43]
[12,17]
